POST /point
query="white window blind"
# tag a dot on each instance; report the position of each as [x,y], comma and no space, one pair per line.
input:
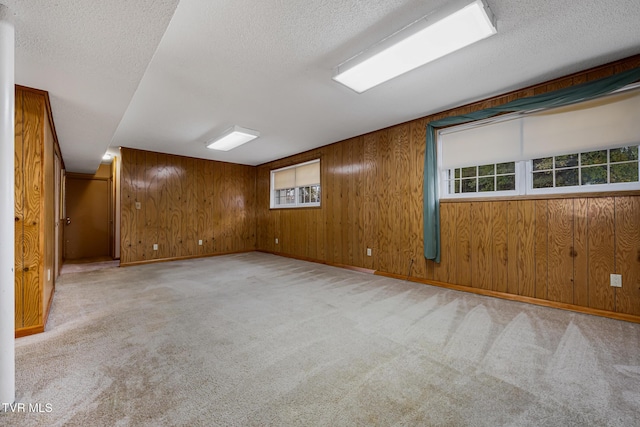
[284,179]
[611,121]
[298,176]
[493,142]
[308,174]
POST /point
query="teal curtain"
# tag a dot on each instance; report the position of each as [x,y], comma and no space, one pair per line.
[556,98]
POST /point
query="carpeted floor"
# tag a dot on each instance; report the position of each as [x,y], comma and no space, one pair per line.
[255,339]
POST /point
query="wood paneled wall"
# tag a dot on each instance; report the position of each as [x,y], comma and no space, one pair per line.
[35,216]
[181,200]
[559,250]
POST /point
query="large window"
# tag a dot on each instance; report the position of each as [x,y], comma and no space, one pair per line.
[296,186]
[589,146]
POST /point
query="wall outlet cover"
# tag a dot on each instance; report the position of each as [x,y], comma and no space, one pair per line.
[616,280]
[200,242]
[276,240]
[155,246]
[368,251]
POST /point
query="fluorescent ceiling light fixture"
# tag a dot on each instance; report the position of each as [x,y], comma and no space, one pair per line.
[106,157]
[232,138]
[446,30]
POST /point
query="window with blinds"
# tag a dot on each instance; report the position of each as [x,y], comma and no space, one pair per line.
[588,146]
[296,186]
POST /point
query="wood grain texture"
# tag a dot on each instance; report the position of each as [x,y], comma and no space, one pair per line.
[601,253]
[35,215]
[33,256]
[445,271]
[542,248]
[19,210]
[481,245]
[463,244]
[627,213]
[526,248]
[184,200]
[560,251]
[580,261]
[500,245]
[513,255]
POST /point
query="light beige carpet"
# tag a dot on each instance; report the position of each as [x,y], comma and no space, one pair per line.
[255,339]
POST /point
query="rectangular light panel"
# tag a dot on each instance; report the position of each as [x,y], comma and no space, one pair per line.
[232,138]
[427,39]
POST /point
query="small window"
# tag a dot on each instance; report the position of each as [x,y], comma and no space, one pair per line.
[599,167]
[296,186]
[495,177]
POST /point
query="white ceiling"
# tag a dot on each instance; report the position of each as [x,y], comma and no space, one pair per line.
[167,75]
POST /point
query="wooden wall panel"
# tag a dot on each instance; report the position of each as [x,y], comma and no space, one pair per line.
[151,200]
[184,200]
[513,255]
[560,250]
[162,177]
[580,261]
[481,245]
[541,251]
[526,229]
[601,252]
[627,212]
[48,215]
[33,128]
[369,201]
[127,200]
[463,244]
[19,210]
[35,214]
[500,245]
[445,271]
[141,249]
[385,231]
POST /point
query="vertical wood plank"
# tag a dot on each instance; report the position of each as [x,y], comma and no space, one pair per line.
[163,176]
[500,252]
[445,271]
[627,214]
[19,209]
[126,206]
[561,250]
[481,246]
[150,231]
[463,243]
[526,248]
[513,256]
[580,262]
[384,197]
[370,199]
[422,267]
[601,252]
[33,128]
[541,251]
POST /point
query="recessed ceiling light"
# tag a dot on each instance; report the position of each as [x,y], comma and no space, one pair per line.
[232,138]
[446,30]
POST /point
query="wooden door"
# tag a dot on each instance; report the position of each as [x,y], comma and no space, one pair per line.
[87,223]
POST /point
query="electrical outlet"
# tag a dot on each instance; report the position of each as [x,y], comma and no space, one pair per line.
[200,242]
[155,246]
[138,205]
[616,280]
[276,240]
[368,251]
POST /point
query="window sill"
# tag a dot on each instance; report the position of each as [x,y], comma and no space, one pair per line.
[544,196]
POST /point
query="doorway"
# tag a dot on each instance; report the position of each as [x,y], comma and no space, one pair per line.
[87,225]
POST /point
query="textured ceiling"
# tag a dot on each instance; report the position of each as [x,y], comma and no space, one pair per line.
[267,66]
